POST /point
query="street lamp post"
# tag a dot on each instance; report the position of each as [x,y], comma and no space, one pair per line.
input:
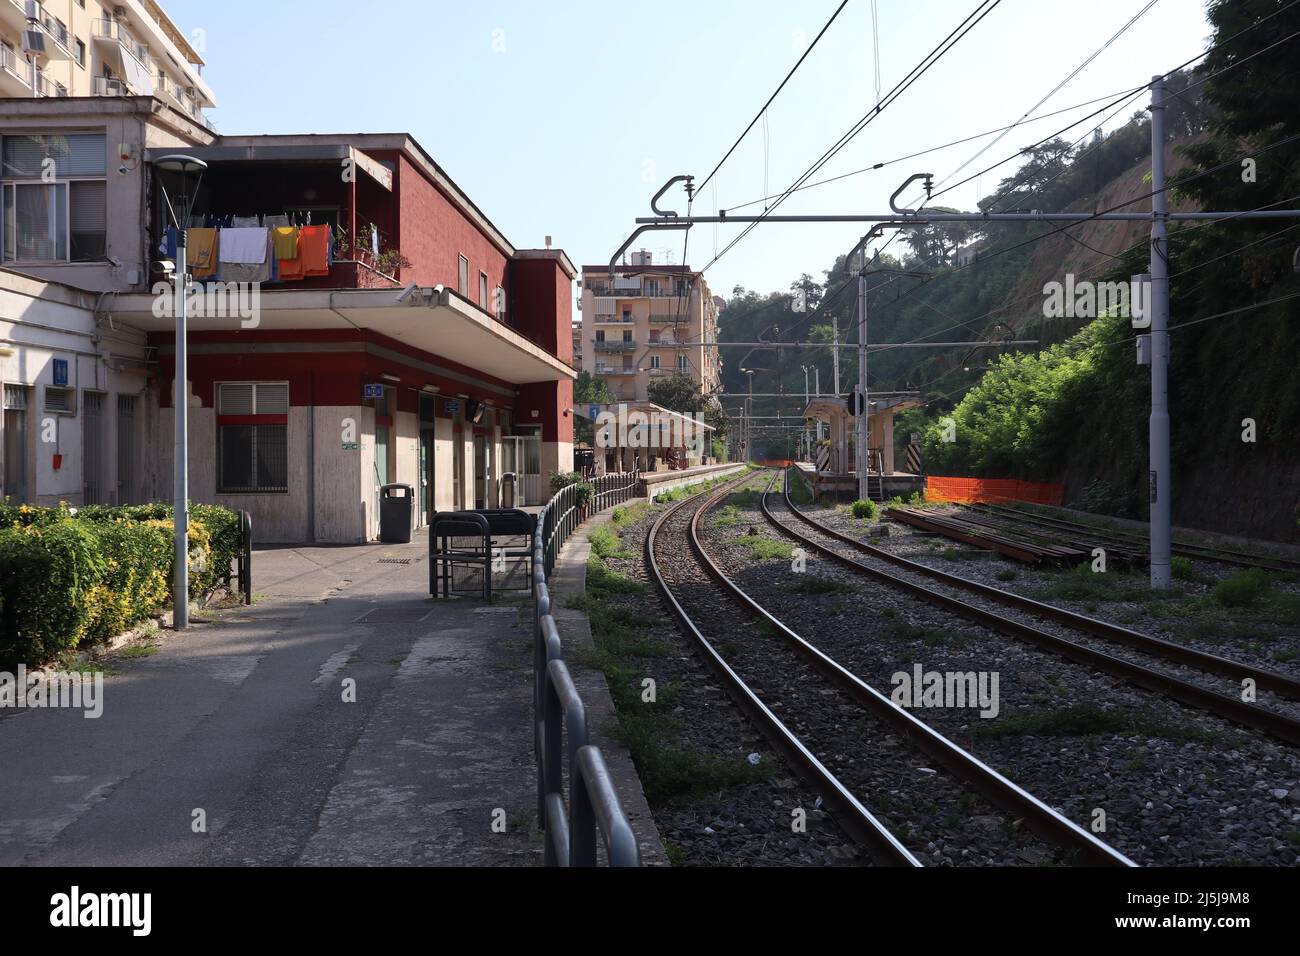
[184,167]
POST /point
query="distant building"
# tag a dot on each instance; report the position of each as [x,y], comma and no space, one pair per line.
[72,48]
[646,322]
[968,253]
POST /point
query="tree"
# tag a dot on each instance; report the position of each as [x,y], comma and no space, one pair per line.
[681,393]
[589,390]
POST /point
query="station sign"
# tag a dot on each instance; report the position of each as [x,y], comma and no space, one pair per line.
[60,371]
[372,391]
[451,406]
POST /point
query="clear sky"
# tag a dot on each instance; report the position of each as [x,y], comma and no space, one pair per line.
[563,118]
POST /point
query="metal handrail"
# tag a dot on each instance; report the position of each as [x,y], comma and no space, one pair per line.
[558,712]
[246,556]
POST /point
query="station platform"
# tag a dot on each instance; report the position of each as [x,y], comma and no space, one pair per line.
[345,718]
[844,487]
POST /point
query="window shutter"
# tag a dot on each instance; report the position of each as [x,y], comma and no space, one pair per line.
[235,399]
[272,399]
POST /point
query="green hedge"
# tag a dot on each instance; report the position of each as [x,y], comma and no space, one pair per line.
[74,576]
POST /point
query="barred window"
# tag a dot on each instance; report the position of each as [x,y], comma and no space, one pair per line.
[252,437]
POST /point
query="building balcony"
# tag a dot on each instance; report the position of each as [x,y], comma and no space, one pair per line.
[616,346]
[614,320]
[15,73]
[675,318]
[47,87]
[611,370]
[126,53]
[32,15]
[108,86]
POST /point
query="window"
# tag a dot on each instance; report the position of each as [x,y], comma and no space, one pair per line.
[681,363]
[59,400]
[654,361]
[600,335]
[252,437]
[483,290]
[499,303]
[627,315]
[55,197]
[462,280]
[81,54]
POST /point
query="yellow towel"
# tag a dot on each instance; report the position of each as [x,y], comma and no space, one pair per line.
[201,250]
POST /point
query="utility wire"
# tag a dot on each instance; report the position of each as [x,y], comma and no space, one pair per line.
[774,95]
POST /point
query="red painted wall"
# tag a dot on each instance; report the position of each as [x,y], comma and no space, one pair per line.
[541,304]
[434,234]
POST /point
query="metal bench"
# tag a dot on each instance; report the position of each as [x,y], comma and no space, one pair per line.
[478,540]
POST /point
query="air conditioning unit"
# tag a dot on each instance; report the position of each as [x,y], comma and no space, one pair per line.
[34,41]
[119,13]
[33,10]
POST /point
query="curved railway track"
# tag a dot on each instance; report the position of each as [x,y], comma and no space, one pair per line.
[663,549]
[1259,718]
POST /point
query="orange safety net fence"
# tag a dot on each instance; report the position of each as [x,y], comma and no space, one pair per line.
[967,490]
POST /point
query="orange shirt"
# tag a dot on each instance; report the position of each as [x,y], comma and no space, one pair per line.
[313,250]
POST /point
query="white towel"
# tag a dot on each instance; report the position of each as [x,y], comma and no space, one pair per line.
[243,245]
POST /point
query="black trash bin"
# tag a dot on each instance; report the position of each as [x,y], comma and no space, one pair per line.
[395,513]
[508,490]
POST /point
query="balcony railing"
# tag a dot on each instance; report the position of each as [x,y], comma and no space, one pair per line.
[113,30]
[611,370]
[47,87]
[615,319]
[12,63]
[614,346]
[108,86]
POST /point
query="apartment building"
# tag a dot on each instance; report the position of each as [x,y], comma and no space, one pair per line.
[428,350]
[647,322]
[72,48]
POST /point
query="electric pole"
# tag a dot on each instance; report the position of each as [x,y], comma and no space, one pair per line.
[1160,478]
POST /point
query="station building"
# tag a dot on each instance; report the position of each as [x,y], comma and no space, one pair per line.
[428,350]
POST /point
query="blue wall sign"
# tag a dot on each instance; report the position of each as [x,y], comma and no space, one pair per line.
[60,371]
[451,406]
[372,391]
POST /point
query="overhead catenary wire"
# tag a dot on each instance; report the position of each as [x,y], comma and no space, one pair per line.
[972,20]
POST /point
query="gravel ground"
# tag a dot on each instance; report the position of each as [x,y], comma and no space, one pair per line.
[940,818]
[1239,634]
[1178,787]
[744,825]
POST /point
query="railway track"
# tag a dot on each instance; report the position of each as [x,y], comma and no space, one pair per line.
[1012,518]
[948,595]
[792,675]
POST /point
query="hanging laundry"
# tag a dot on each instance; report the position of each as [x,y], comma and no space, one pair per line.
[201,252]
[286,242]
[277,221]
[315,247]
[250,259]
[245,222]
[243,246]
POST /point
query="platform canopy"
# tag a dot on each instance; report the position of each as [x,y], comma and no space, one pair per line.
[436,321]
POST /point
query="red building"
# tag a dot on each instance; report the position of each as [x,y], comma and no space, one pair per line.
[427,350]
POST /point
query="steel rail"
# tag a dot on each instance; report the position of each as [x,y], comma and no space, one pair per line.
[1038,816]
[861,824]
[1269,562]
[1265,679]
[1283,727]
